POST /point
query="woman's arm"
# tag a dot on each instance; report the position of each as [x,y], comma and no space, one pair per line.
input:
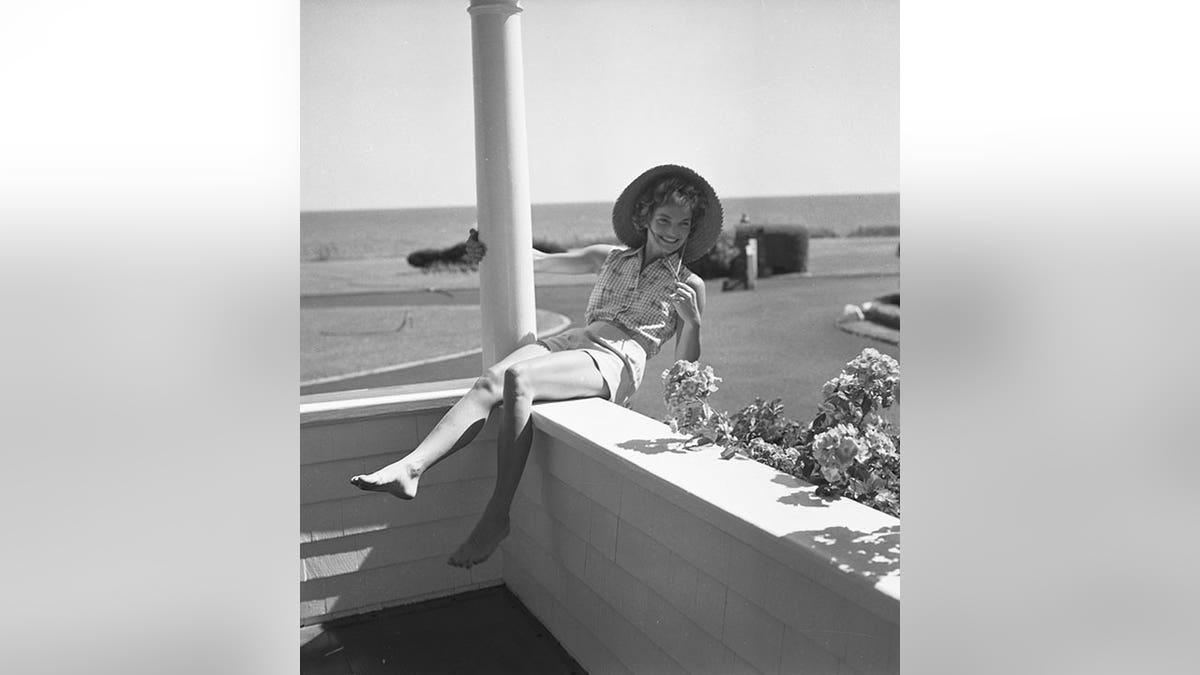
[688,299]
[586,260]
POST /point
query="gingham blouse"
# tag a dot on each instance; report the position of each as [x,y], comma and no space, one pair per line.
[637,300]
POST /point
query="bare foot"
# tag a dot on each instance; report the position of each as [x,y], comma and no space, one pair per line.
[487,535]
[398,478]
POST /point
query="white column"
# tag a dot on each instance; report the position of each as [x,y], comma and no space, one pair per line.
[502,179]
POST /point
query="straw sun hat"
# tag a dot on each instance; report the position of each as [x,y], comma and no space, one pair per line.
[704,231]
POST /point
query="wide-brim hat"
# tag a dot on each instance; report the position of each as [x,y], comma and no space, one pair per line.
[705,230]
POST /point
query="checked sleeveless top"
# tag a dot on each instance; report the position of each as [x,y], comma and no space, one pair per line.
[637,300]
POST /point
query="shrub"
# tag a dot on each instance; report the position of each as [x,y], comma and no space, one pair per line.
[889,299]
[450,258]
[882,314]
[883,310]
[876,231]
[781,248]
[715,263]
[821,233]
[848,450]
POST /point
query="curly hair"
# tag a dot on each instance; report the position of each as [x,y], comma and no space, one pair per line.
[670,190]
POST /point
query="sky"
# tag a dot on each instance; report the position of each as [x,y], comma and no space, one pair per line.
[762,97]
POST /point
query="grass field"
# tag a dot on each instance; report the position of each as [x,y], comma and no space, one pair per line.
[341,340]
[780,340]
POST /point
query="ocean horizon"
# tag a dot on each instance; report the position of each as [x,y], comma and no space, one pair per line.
[390,233]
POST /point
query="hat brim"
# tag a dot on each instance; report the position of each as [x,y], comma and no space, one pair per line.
[704,233]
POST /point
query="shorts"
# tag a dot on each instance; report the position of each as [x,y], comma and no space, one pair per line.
[619,358]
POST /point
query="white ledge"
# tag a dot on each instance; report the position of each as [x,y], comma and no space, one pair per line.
[848,547]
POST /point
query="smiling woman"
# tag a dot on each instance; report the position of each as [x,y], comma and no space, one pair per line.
[643,296]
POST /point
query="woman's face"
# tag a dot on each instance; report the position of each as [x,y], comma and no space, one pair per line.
[669,228]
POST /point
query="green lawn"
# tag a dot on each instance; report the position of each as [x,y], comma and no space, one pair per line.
[780,340]
[341,340]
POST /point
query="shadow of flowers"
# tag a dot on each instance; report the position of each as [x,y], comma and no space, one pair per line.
[655,446]
[874,554]
[803,496]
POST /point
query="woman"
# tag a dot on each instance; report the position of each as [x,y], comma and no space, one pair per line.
[643,295]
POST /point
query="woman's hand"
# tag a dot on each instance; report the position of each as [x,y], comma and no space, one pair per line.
[683,298]
[475,248]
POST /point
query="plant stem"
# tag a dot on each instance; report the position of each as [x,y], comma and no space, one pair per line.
[866,408]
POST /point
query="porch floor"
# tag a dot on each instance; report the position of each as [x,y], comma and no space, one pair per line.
[483,631]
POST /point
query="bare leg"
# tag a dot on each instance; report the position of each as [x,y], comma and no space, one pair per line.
[554,377]
[457,428]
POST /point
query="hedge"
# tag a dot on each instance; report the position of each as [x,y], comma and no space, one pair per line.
[781,248]
[876,231]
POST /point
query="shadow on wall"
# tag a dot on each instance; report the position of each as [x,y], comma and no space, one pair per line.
[655,446]
[803,496]
[873,554]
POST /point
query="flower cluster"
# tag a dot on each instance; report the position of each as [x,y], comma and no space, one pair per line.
[849,449]
[686,387]
[867,384]
[837,449]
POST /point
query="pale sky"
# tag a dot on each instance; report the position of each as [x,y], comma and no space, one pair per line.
[762,97]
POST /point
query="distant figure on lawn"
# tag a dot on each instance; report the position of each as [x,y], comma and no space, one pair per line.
[739,275]
[643,296]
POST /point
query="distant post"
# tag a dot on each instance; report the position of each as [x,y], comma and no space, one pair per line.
[751,263]
[502,179]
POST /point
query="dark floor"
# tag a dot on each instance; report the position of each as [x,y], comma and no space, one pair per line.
[484,631]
